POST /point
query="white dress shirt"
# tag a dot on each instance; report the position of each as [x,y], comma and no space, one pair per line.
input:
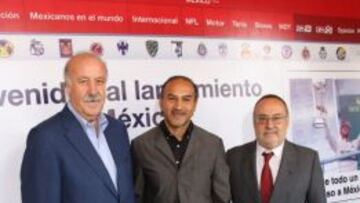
[99,142]
[274,162]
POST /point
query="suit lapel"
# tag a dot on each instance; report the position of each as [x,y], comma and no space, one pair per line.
[77,137]
[164,148]
[250,172]
[115,146]
[193,146]
[287,166]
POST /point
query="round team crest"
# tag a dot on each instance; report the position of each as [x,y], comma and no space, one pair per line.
[97,49]
[202,50]
[6,48]
[286,52]
[341,53]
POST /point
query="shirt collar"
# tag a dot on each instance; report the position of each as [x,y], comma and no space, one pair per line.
[166,131]
[102,120]
[277,151]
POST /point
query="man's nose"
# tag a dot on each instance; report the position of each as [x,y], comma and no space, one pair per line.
[92,88]
[178,104]
[269,123]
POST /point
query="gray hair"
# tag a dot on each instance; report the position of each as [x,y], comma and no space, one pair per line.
[81,55]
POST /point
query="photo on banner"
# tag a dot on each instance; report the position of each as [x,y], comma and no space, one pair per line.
[326,116]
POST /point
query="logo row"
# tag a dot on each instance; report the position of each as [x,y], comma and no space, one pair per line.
[36,48]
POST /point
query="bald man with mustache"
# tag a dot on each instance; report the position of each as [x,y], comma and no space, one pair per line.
[79,154]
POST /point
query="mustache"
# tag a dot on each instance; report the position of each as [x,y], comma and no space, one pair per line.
[270,131]
[92,98]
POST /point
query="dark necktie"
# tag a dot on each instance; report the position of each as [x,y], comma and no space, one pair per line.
[266,179]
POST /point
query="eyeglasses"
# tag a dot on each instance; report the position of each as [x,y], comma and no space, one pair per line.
[262,119]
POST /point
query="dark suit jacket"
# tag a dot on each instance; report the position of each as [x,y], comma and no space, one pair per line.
[203,176]
[299,179]
[60,164]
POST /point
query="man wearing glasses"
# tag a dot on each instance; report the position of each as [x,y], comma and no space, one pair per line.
[272,169]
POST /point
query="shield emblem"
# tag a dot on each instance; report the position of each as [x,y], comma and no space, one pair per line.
[152,47]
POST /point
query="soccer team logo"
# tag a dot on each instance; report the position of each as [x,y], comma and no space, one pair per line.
[286,52]
[178,49]
[65,46]
[6,48]
[36,48]
[202,50]
[322,53]
[152,47]
[245,51]
[223,50]
[122,47]
[97,49]
[341,53]
[305,53]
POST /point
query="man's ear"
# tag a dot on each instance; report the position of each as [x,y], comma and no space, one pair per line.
[66,91]
[196,102]
[160,103]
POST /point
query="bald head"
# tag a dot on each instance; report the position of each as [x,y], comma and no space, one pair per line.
[78,60]
[85,78]
[271,121]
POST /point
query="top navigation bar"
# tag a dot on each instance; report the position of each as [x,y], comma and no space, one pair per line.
[118,17]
